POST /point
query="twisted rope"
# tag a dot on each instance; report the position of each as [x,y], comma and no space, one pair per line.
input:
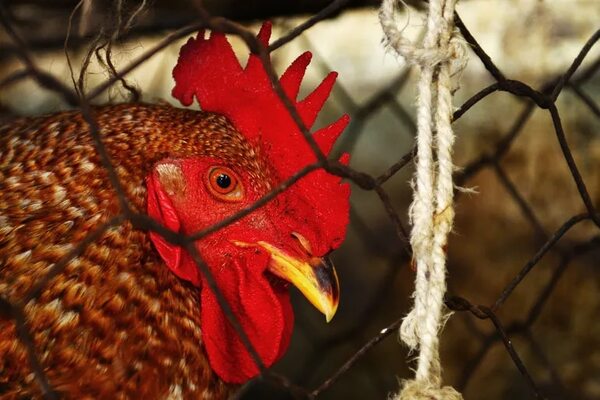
[431,211]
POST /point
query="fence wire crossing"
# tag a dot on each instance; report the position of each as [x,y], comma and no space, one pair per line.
[573,79]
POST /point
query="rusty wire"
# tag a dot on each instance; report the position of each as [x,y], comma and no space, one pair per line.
[544,99]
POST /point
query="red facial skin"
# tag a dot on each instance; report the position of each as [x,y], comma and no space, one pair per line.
[259,300]
[209,71]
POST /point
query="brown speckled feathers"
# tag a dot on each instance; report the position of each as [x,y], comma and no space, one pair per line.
[116,323]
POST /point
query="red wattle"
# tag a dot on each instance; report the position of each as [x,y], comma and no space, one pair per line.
[264,312]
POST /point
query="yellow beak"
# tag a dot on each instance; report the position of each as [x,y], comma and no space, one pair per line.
[315,277]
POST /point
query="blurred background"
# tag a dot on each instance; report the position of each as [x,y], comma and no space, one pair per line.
[506,152]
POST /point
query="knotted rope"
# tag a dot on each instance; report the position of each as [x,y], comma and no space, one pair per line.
[431,212]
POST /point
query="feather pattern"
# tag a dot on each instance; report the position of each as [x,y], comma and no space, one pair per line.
[116,320]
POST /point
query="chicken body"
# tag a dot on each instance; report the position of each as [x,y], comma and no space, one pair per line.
[115,323]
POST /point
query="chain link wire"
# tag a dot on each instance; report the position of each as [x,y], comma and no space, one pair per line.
[505,328]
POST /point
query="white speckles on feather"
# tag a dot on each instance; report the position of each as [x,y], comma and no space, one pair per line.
[54,306]
[76,212]
[59,193]
[47,177]
[34,205]
[171,178]
[67,318]
[123,277]
[12,182]
[5,226]
[22,257]
[86,166]
[61,249]
[175,393]
[52,128]
[154,306]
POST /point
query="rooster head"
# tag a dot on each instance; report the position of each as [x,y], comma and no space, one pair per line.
[253,148]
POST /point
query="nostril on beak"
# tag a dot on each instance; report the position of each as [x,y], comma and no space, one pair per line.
[304,243]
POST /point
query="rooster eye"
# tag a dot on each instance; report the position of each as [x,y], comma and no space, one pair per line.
[224,184]
[223,181]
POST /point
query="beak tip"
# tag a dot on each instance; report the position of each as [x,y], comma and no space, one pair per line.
[329,312]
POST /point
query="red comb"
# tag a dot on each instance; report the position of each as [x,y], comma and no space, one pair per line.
[209,70]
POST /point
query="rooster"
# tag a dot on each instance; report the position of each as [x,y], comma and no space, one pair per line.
[132,316]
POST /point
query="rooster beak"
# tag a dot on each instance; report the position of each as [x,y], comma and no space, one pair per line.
[315,277]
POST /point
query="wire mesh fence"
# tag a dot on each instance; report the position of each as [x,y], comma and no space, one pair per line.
[506,327]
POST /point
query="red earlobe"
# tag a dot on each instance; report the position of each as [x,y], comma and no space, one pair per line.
[161,209]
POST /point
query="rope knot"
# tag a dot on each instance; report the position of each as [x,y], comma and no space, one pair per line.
[424,56]
[415,390]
